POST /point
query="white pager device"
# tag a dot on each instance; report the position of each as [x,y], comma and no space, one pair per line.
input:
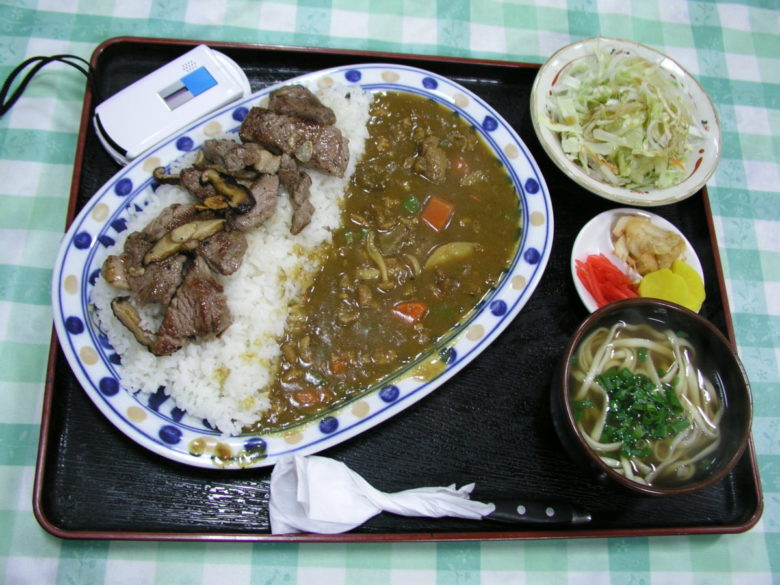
[155,107]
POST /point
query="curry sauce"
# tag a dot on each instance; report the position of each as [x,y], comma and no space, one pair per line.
[430,222]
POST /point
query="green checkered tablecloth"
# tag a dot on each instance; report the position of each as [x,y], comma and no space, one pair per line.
[734,50]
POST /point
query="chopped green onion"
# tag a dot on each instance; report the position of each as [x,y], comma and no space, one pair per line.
[580,406]
[639,411]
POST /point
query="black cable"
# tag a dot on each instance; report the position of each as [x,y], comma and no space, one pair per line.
[6,102]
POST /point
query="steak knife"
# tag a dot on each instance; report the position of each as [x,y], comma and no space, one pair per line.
[539,513]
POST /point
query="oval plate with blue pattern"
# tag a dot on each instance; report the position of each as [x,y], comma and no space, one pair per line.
[153,421]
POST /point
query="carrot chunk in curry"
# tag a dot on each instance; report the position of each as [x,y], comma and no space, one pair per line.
[437,212]
[411,311]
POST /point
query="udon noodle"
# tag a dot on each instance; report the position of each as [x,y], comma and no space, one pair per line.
[665,363]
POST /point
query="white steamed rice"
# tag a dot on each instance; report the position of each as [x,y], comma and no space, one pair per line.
[224,380]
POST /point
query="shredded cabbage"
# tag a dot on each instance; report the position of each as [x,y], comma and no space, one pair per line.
[623,119]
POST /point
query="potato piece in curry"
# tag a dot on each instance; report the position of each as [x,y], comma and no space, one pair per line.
[430,223]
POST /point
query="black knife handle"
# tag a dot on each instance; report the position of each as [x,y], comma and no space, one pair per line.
[529,512]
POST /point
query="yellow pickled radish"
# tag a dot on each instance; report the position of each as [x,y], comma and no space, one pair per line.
[664,284]
[695,284]
[681,284]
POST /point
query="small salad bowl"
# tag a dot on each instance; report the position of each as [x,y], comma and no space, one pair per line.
[687,175]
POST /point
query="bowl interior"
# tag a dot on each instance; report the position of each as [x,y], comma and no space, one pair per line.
[714,356]
[705,149]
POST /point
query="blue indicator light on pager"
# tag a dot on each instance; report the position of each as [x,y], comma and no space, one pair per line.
[186,88]
[198,81]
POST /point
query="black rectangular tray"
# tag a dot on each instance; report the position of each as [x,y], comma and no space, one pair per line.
[490,423]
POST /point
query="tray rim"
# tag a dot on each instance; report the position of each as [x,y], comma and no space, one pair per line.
[52,364]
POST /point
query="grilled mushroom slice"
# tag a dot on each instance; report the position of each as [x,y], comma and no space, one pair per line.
[129,317]
[162,176]
[113,271]
[236,195]
[184,237]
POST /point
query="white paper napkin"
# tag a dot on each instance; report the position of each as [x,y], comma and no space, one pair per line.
[321,495]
